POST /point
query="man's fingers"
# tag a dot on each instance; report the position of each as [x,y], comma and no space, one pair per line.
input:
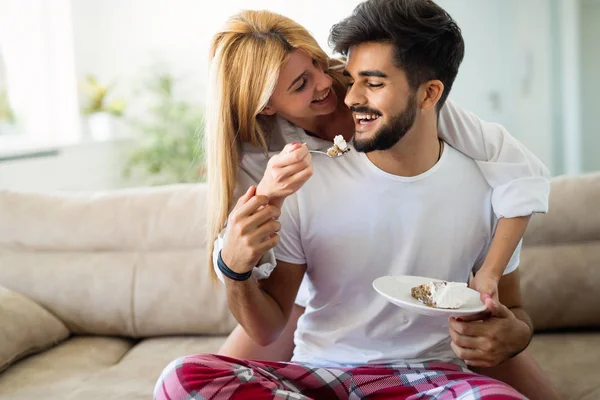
[260,217]
[269,243]
[482,316]
[265,231]
[479,363]
[498,310]
[467,342]
[467,354]
[461,327]
[474,328]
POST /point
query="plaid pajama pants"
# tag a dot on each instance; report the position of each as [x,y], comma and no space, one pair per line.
[219,377]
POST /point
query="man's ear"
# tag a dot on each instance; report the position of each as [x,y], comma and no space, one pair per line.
[432,91]
[268,110]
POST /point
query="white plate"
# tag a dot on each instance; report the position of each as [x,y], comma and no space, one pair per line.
[397,290]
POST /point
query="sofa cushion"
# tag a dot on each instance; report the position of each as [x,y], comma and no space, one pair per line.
[559,285]
[570,361]
[560,259]
[573,215]
[25,328]
[57,372]
[99,368]
[131,262]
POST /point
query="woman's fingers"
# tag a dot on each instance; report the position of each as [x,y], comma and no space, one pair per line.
[285,158]
[283,173]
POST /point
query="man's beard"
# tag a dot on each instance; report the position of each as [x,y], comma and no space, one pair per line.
[391,133]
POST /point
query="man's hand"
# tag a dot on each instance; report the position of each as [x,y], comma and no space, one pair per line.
[488,339]
[251,232]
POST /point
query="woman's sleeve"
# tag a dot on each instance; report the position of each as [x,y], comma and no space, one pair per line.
[267,262]
[518,178]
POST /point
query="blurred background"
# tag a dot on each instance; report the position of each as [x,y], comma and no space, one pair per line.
[102,94]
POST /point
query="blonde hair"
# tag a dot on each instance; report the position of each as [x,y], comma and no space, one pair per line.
[245,60]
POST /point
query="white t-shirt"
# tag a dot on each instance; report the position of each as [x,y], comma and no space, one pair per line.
[352,223]
[518,178]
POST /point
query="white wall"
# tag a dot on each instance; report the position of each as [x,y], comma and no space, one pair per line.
[505,76]
[86,166]
[116,39]
[590,88]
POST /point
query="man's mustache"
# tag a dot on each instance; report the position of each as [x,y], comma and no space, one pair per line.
[365,110]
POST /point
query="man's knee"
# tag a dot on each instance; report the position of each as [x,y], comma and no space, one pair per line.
[175,380]
[489,388]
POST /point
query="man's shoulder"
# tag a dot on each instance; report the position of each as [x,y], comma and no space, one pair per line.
[463,168]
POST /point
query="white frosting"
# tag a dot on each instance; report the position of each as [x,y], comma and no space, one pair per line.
[448,294]
[340,142]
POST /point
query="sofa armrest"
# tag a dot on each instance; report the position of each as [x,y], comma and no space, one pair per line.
[25,328]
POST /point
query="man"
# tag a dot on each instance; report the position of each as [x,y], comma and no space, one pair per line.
[401,203]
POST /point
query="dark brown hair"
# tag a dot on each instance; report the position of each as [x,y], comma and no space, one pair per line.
[427,42]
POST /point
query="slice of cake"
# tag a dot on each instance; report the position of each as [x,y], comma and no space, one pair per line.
[449,295]
[339,147]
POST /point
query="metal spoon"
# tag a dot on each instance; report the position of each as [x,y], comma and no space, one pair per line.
[324,152]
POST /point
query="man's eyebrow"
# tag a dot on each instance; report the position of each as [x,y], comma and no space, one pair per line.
[375,73]
[297,79]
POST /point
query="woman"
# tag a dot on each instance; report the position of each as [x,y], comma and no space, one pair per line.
[272,88]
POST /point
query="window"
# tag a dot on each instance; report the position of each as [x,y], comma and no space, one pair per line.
[38,88]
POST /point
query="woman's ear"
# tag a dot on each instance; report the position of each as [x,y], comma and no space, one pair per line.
[432,92]
[268,110]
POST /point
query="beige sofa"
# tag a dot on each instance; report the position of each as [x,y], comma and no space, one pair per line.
[99,291]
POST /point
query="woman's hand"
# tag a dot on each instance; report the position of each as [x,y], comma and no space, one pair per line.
[485,282]
[286,173]
[251,231]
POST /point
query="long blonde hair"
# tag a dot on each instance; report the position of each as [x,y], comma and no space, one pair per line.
[245,60]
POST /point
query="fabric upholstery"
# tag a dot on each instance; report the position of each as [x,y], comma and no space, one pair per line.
[571,362]
[131,262]
[560,260]
[25,328]
[99,368]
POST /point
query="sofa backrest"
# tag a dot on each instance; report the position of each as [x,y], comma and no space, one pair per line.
[560,261]
[129,262]
[133,262]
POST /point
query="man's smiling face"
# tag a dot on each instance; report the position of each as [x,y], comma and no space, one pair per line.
[382,102]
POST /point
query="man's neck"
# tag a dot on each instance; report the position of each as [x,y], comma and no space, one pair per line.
[417,152]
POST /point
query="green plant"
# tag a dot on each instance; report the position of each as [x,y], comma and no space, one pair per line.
[170,138]
[97,94]
[6,113]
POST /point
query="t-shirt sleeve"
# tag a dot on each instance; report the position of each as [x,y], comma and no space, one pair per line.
[290,248]
[518,178]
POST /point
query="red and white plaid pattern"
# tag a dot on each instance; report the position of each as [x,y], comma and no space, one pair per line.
[218,377]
